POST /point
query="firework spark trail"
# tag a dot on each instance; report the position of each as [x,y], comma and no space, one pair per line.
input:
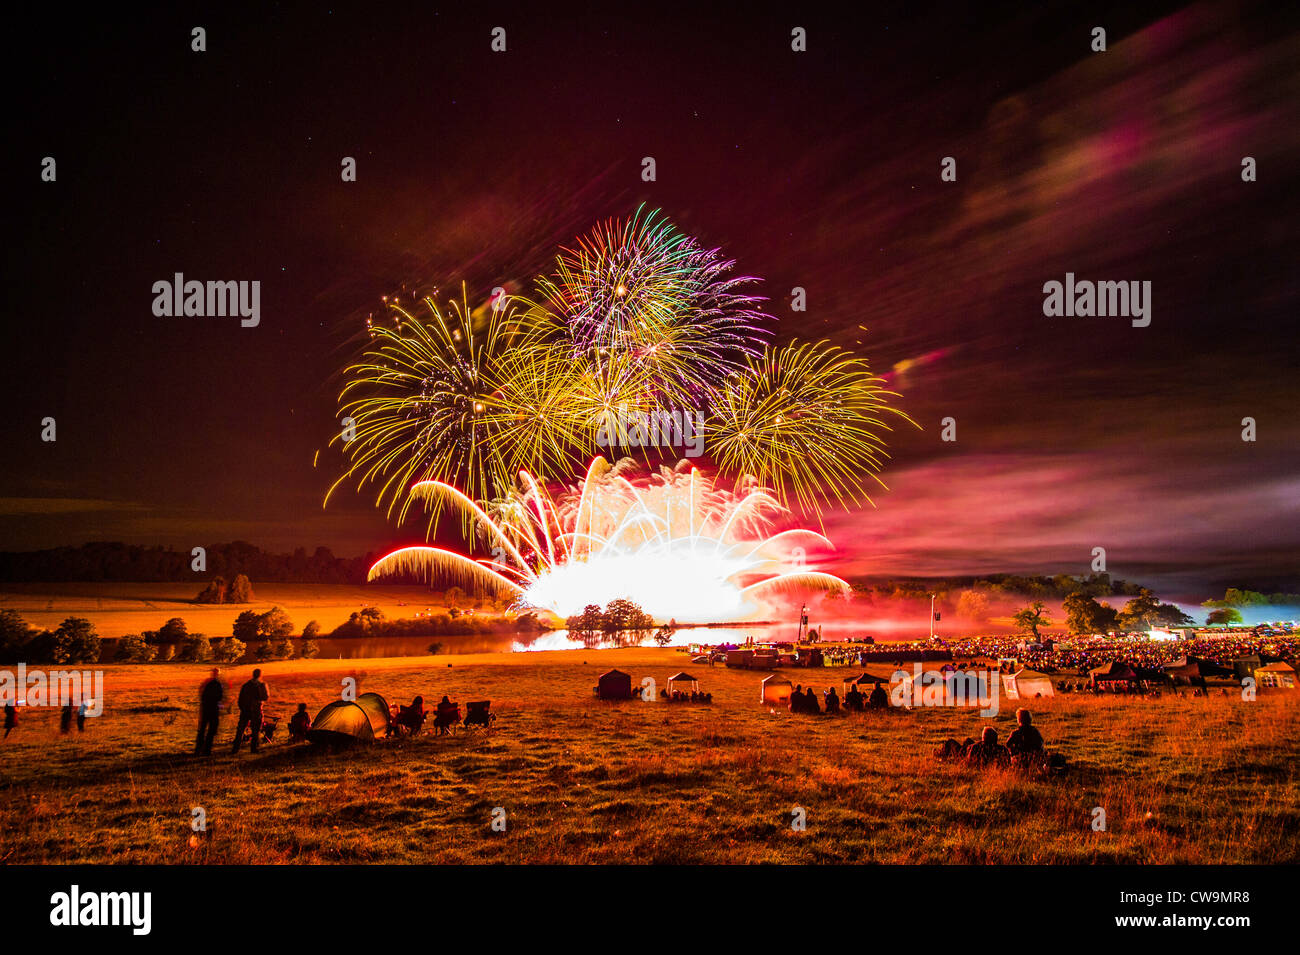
[804,420]
[640,289]
[701,571]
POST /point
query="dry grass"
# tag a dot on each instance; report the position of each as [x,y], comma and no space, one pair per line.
[1182,780]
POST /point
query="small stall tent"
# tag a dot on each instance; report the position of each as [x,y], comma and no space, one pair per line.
[1027,684]
[614,685]
[956,688]
[776,691]
[682,683]
[765,659]
[865,683]
[341,722]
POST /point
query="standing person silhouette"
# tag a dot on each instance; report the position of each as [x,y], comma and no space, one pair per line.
[251,697]
[211,693]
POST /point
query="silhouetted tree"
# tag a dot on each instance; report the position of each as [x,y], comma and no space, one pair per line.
[241,591]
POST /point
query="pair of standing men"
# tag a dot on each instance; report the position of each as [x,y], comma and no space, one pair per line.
[251,697]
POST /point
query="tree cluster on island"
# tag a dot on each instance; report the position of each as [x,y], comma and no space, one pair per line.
[619,617]
[238,591]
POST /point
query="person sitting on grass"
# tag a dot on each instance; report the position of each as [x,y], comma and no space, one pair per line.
[832,700]
[988,751]
[1025,738]
[853,698]
[949,750]
[796,699]
[879,699]
[810,704]
[299,724]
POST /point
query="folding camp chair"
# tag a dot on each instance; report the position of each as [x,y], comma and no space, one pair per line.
[445,717]
[478,713]
[408,721]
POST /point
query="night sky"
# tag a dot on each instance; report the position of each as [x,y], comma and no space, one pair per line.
[817,169]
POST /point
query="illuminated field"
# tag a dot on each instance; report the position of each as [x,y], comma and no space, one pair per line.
[1182,779]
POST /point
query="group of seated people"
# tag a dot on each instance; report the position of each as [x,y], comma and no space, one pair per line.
[805,701]
[856,700]
[1024,747]
[677,696]
[411,718]
[403,718]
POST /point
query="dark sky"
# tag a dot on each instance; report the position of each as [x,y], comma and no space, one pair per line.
[818,169]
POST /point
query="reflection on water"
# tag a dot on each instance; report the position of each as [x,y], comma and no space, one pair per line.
[684,636]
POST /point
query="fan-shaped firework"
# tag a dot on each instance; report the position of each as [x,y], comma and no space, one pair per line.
[642,289]
[806,420]
[674,545]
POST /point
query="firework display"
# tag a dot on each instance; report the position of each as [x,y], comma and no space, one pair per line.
[477,411]
[675,545]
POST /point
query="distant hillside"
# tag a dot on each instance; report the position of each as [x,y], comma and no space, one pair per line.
[1058,586]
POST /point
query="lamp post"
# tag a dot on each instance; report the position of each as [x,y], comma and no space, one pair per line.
[803,622]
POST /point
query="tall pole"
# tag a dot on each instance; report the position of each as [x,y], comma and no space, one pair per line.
[931,617]
[803,618]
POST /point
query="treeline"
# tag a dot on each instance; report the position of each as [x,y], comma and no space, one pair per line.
[371,622]
[75,641]
[128,562]
[1043,587]
[1233,598]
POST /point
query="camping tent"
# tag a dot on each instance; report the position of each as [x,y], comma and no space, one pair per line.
[614,685]
[342,722]
[776,690]
[683,682]
[1027,684]
[376,708]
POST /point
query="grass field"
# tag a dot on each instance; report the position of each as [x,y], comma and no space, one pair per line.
[120,608]
[1191,780]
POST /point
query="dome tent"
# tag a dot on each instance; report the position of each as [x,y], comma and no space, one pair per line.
[376,708]
[342,723]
